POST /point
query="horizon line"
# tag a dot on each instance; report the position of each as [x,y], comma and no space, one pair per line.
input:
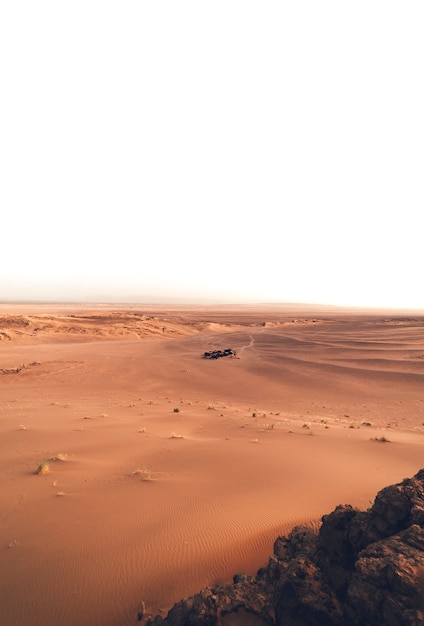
[202,302]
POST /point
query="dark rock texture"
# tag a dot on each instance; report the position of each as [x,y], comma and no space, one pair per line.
[217,354]
[363,568]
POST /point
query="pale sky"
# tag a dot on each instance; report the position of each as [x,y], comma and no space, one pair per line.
[232,150]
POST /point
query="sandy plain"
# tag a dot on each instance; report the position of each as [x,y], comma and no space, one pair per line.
[167,471]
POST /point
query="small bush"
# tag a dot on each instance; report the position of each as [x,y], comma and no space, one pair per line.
[43,468]
[59,457]
[176,410]
[143,473]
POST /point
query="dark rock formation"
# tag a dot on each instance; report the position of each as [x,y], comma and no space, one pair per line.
[363,568]
[217,354]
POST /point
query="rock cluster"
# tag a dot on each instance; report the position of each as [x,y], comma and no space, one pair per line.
[362,568]
[217,354]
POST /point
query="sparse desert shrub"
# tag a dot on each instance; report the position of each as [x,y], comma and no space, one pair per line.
[176,410]
[305,426]
[59,457]
[382,439]
[143,473]
[254,414]
[43,468]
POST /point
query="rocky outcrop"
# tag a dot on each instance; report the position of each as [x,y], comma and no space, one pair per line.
[217,354]
[362,568]
[13,370]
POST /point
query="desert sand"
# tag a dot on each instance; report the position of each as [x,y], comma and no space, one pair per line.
[160,471]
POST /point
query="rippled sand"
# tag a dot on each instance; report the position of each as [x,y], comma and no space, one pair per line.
[167,471]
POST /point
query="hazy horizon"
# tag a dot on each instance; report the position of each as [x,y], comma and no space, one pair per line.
[230,152]
[147,301]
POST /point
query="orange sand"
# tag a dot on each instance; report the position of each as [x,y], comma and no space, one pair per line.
[146,504]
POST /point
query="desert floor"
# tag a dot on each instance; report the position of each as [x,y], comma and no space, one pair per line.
[167,471]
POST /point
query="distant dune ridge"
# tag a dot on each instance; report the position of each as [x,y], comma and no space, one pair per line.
[88,326]
[135,472]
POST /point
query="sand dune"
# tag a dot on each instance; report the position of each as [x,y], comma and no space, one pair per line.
[166,471]
[88,326]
